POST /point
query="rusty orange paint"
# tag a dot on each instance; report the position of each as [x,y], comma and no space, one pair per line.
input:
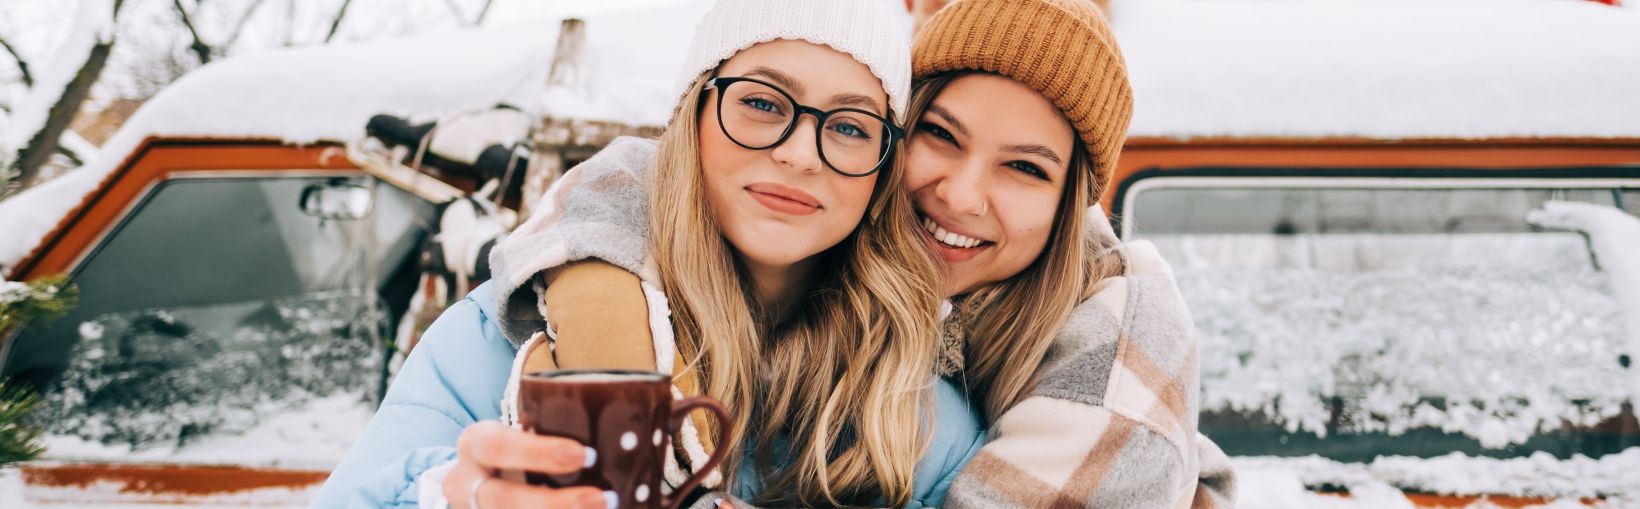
[169,480]
[154,161]
[1459,501]
[1148,153]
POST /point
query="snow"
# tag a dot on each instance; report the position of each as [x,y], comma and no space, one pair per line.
[1615,237]
[304,96]
[1264,481]
[12,292]
[631,64]
[93,25]
[1463,333]
[1389,69]
[313,436]
[215,380]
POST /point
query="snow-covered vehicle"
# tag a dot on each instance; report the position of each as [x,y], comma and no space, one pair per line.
[244,254]
[1408,235]
[257,243]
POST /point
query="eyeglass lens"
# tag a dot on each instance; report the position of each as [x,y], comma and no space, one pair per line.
[759,116]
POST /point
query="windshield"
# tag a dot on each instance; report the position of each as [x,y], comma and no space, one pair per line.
[1360,319]
[216,305]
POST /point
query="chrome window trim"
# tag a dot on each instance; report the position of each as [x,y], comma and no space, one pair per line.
[1137,189]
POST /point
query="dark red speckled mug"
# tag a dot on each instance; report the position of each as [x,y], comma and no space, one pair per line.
[629,417]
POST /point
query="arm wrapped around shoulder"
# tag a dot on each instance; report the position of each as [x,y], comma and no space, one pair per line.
[599,317]
[598,210]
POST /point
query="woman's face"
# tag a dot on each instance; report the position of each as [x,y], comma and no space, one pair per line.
[782,205]
[986,167]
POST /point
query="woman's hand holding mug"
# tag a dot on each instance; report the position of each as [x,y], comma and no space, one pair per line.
[487,448]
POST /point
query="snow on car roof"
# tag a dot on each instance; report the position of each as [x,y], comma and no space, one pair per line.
[303,96]
[1383,69]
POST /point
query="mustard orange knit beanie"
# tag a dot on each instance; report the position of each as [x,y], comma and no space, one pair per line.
[1061,48]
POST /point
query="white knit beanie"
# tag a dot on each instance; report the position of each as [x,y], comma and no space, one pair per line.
[865,29]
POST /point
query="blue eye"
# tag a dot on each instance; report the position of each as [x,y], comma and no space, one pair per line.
[850,130]
[760,104]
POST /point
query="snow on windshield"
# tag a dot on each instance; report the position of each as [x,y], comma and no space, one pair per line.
[189,383]
[1289,482]
[1491,335]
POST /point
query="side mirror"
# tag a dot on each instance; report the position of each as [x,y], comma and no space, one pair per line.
[337,200]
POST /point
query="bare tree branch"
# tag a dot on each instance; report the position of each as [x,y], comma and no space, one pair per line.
[199,46]
[239,28]
[337,23]
[482,12]
[455,10]
[22,65]
[43,144]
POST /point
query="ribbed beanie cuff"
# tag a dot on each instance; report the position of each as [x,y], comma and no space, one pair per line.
[864,29]
[1061,48]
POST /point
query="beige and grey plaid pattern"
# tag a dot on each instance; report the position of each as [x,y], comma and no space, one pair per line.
[1111,422]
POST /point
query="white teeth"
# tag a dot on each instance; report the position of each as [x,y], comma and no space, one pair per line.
[946,237]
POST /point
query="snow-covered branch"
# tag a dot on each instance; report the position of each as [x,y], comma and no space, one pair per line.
[76,147]
[198,46]
[22,65]
[336,23]
[45,111]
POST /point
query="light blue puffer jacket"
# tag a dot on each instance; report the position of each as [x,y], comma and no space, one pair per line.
[456,376]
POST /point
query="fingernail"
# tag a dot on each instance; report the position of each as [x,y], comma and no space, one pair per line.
[607,500]
[566,456]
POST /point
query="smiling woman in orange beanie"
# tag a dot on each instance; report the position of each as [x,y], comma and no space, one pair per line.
[1078,350]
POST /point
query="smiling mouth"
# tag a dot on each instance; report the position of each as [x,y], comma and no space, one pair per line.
[948,238]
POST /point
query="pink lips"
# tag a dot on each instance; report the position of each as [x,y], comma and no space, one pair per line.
[784,199]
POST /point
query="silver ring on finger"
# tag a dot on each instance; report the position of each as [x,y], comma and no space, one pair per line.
[472,493]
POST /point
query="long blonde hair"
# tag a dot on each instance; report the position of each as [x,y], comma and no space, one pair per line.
[841,384]
[1010,324]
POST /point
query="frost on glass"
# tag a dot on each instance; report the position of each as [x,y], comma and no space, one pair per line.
[1381,312]
[169,376]
[218,305]
[1491,335]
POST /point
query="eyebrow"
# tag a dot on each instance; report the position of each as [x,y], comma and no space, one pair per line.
[1023,148]
[956,125]
[779,78]
[856,100]
[796,88]
[1035,149]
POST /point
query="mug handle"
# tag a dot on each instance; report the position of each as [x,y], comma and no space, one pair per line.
[680,411]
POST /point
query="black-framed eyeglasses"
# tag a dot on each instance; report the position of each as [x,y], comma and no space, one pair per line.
[760,116]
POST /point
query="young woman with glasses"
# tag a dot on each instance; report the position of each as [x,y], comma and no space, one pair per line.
[1077,350]
[787,278]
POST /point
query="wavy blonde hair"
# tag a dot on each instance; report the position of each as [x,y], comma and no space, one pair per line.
[842,383]
[1010,324]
